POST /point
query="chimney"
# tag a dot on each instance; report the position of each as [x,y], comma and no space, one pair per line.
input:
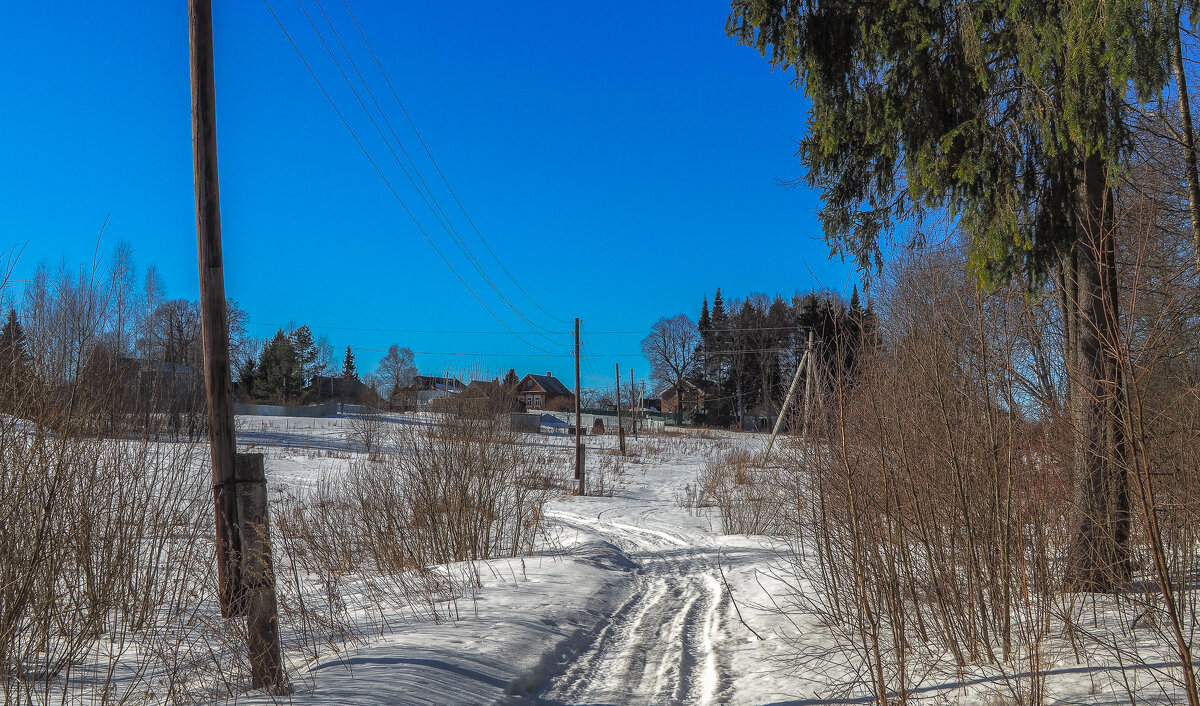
[548,374]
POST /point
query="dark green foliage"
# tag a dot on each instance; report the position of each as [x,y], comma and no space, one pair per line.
[348,370]
[306,353]
[749,360]
[14,357]
[15,363]
[1012,118]
[278,379]
[982,110]
[247,372]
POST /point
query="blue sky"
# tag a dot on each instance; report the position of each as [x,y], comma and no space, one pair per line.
[623,159]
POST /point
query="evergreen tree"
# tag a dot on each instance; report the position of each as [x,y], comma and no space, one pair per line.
[718,344]
[348,370]
[247,372]
[1012,117]
[306,353]
[15,363]
[278,379]
[510,380]
[13,354]
[704,325]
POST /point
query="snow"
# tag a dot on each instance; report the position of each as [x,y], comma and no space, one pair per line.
[632,598]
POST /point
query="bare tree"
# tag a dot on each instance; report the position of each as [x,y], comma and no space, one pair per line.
[396,370]
[671,350]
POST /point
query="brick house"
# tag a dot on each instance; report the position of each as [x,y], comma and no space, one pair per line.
[693,398]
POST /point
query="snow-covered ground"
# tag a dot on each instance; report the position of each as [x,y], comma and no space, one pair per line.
[633,599]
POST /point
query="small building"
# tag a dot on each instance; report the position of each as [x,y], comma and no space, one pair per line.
[419,396]
[693,398]
[483,397]
[545,392]
[343,390]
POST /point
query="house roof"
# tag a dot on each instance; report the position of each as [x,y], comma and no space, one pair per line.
[549,384]
[669,390]
[432,382]
[484,388]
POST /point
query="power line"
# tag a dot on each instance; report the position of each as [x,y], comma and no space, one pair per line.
[438,167]
[434,207]
[396,330]
[386,181]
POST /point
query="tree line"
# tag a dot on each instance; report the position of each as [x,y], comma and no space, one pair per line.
[734,364]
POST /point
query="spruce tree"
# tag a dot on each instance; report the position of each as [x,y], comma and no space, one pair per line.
[14,363]
[1012,118]
[306,353]
[348,370]
[704,325]
[247,372]
[13,355]
[719,340]
[278,379]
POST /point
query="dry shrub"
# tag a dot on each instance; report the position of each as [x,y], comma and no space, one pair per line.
[929,508]
[745,494]
[459,489]
[106,584]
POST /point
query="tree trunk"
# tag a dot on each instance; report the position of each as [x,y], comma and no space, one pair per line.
[1187,136]
[1099,555]
[679,402]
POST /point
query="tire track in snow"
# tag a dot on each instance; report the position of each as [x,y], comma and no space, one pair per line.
[662,645]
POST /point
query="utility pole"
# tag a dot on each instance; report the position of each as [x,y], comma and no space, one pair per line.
[620,426]
[214,330]
[633,411]
[791,390]
[578,419]
[246,582]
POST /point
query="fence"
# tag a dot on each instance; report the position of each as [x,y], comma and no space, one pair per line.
[610,420]
[277,410]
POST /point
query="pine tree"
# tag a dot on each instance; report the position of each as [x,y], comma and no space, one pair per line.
[1013,118]
[511,380]
[348,370]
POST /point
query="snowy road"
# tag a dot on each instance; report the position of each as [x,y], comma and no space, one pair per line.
[663,645]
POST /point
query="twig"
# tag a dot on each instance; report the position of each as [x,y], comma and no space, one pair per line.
[731,598]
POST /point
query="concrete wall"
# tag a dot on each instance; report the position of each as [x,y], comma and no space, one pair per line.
[276,410]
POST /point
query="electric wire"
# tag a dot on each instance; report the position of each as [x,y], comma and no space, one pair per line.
[434,208]
[388,183]
[438,167]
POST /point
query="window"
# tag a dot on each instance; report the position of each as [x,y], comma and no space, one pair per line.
[537,401]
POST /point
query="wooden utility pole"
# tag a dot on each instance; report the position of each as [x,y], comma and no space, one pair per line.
[214,330]
[620,426]
[578,419]
[246,585]
[633,407]
[791,391]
